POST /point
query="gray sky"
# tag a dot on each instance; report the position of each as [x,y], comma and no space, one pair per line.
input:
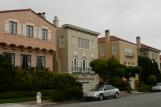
[125,18]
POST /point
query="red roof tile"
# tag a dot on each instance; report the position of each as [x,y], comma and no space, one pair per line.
[143,46]
[113,38]
[29,9]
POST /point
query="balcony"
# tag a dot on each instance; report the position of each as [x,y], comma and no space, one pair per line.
[82,70]
[129,54]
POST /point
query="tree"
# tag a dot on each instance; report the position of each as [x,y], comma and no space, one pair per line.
[149,67]
[111,68]
[100,68]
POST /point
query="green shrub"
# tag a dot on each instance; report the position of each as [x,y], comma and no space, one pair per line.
[144,88]
[25,94]
[73,93]
[119,83]
[23,80]
[70,93]
[152,79]
[58,96]
[6,74]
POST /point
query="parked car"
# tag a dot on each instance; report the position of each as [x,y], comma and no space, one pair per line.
[101,92]
[157,87]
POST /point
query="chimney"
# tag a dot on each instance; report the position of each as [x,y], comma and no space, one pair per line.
[42,14]
[107,43]
[107,32]
[138,42]
[56,21]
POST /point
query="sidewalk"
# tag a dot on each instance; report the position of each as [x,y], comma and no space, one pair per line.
[28,104]
[48,102]
[125,93]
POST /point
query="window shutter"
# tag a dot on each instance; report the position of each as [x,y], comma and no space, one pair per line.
[6,26]
[19,28]
[24,30]
[49,35]
[35,32]
[39,33]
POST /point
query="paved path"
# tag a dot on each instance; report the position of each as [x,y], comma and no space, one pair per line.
[142,100]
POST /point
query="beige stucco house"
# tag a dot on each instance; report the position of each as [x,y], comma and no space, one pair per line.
[76,47]
[148,51]
[27,39]
[124,51]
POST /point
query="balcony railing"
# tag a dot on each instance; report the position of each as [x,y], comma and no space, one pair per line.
[129,54]
[81,70]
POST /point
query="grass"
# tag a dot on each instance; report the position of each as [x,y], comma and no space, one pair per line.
[15,100]
[22,96]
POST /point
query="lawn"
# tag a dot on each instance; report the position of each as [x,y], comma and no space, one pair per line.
[22,96]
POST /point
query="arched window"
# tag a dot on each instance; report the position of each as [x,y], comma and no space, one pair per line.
[84,65]
[75,64]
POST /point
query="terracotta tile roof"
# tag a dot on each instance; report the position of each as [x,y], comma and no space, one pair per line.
[101,40]
[143,46]
[29,9]
[113,38]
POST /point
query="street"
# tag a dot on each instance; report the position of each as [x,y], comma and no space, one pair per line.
[142,100]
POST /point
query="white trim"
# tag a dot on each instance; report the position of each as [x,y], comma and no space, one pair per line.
[31,24]
[44,27]
[14,20]
[6,26]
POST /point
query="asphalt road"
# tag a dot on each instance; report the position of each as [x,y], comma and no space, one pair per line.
[142,100]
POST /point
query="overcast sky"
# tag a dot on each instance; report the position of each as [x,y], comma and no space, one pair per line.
[125,18]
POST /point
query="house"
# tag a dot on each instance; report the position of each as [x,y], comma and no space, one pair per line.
[148,51]
[124,51]
[76,48]
[27,39]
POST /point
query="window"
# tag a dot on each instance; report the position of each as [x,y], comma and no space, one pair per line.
[114,49]
[62,41]
[75,64]
[29,31]
[102,50]
[83,43]
[10,57]
[92,44]
[12,27]
[41,62]
[73,40]
[144,54]
[84,65]
[25,61]
[129,52]
[44,34]
[152,55]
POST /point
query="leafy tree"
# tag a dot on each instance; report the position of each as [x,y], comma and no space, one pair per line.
[149,67]
[111,68]
[100,68]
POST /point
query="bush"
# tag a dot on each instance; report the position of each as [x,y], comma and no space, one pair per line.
[63,86]
[152,79]
[6,74]
[58,96]
[144,88]
[25,94]
[22,80]
[118,82]
[70,93]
